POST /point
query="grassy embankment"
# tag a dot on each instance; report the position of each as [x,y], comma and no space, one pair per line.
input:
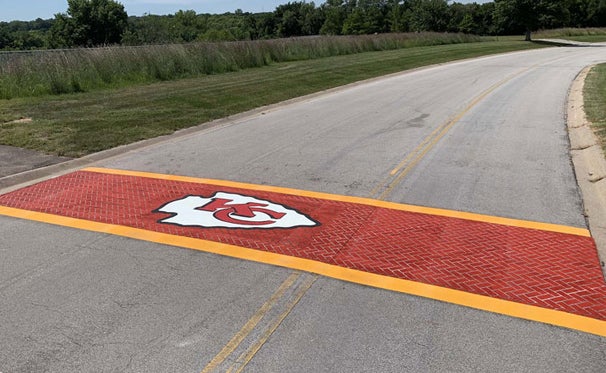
[595,101]
[117,96]
[28,74]
[590,35]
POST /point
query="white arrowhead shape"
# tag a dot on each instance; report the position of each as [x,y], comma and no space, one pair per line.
[221,211]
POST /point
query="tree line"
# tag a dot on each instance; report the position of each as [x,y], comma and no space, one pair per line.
[105,22]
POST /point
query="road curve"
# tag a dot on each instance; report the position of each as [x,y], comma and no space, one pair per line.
[485,136]
[506,154]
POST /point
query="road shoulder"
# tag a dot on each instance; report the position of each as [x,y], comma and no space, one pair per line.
[15,160]
[589,164]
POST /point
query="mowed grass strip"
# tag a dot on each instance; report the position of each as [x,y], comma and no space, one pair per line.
[77,124]
[595,101]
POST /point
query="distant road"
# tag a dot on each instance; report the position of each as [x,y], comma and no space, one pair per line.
[485,136]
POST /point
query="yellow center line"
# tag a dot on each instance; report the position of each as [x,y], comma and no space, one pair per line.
[251,323]
[418,149]
[415,151]
[417,154]
[247,355]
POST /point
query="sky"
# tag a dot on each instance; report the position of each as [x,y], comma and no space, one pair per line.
[28,10]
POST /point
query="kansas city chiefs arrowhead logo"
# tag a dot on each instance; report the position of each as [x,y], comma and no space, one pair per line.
[228,210]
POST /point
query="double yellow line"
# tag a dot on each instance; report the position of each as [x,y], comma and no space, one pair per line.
[381,192]
[238,364]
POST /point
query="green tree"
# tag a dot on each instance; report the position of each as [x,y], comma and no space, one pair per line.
[5,39]
[514,16]
[89,23]
[226,27]
[596,13]
[298,18]
[24,35]
[428,15]
[149,29]
[554,14]
[288,19]
[367,17]
[313,18]
[459,18]
[27,40]
[395,15]
[266,26]
[470,18]
[187,26]
[335,14]
[484,19]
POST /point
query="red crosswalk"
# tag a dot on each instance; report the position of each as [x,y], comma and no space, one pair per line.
[548,269]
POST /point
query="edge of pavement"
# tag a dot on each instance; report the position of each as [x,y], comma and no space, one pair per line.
[589,164]
[566,43]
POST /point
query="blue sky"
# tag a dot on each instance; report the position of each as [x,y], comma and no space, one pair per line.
[27,10]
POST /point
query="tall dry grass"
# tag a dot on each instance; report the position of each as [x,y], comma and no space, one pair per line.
[562,32]
[28,74]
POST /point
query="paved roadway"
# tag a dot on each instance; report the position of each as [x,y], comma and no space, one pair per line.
[486,136]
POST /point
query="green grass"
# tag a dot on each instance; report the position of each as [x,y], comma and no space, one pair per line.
[595,101]
[81,123]
[589,38]
[38,73]
[590,35]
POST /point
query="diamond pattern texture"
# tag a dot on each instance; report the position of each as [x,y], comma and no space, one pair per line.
[546,269]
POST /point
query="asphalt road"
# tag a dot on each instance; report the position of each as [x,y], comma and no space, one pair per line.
[486,136]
